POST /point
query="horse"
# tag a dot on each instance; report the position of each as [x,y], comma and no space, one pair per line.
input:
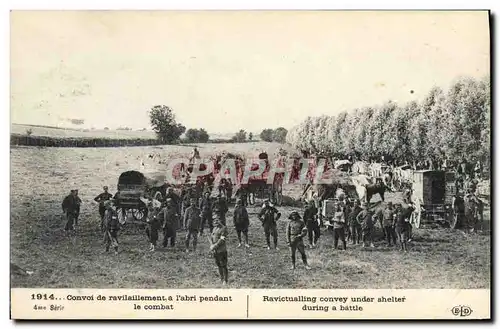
[378,188]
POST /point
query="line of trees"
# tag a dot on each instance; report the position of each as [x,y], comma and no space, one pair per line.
[48,141]
[274,135]
[452,125]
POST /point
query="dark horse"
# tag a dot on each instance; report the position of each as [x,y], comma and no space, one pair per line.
[378,188]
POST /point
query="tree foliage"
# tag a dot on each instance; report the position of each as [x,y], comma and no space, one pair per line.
[196,136]
[163,121]
[277,135]
[445,125]
[240,136]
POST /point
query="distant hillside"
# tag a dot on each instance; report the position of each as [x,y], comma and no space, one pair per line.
[80,133]
[58,132]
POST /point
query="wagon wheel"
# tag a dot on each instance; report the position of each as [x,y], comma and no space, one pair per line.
[454,215]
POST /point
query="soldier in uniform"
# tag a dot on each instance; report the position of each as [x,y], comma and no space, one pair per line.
[170,219]
[101,198]
[220,208]
[471,203]
[175,199]
[365,218]
[111,227]
[295,232]
[70,209]
[339,226]
[311,221]
[354,226]
[241,222]
[388,222]
[401,223]
[218,248]
[154,223]
[192,221]
[268,216]
[206,212]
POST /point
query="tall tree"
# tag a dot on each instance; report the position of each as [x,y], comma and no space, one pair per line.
[279,135]
[163,121]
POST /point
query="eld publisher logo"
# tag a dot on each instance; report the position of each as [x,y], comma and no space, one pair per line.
[461,310]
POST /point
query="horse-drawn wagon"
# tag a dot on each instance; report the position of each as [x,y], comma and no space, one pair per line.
[435,198]
[258,187]
[133,188]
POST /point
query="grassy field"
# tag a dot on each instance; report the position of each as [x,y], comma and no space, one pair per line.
[96,133]
[40,178]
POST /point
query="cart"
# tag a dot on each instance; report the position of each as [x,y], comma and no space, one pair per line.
[435,198]
[134,188]
[258,187]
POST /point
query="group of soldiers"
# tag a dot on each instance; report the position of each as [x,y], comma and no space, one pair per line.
[351,221]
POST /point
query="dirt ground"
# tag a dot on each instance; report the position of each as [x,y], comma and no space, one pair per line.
[41,177]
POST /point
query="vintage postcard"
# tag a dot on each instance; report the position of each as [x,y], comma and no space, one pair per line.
[250,165]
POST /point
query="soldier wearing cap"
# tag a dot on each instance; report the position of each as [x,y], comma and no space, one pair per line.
[153,222]
[206,212]
[101,198]
[192,221]
[70,208]
[268,216]
[241,222]
[218,248]
[295,232]
[355,231]
[111,226]
[365,218]
[471,203]
[220,208]
[170,219]
[312,224]
[388,215]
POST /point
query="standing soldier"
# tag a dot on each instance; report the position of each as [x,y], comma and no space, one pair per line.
[339,227]
[402,227]
[101,198]
[219,249]
[241,222]
[170,194]
[268,216]
[153,223]
[192,221]
[365,218]
[311,221]
[241,193]
[220,208]
[471,203]
[170,222]
[388,221]
[70,208]
[206,212]
[295,232]
[355,227]
[111,227]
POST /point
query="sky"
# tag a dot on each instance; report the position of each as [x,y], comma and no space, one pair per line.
[225,71]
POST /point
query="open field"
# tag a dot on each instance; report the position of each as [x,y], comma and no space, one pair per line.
[96,133]
[40,178]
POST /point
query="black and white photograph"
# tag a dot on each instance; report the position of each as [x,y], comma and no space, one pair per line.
[250,150]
